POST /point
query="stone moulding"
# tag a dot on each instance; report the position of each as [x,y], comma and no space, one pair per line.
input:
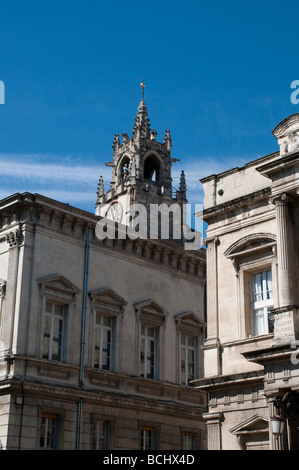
[40,211]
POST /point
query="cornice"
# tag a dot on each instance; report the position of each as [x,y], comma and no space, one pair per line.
[32,210]
[281,166]
[231,207]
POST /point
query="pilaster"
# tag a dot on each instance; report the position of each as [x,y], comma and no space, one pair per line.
[13,239]
[213,422]
[212,290]
[286,315]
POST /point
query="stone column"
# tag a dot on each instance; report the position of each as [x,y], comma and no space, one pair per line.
[286,315]
[285,252]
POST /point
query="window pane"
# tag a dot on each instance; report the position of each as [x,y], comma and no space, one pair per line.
[262,295]
[258,287]
[147,352]
[189,442]
[46,343]
[259,322]
[187,359]
[269,293]
[147,439]
[102,435]
[56,339]
[49,433]
[103,342]
[58,309]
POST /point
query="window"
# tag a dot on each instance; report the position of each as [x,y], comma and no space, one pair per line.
[188,349]
[53,331]
[148,352]
[102,435]
[189,441]
[103,342]
[152,170]
[49,431]
[56,319]
[147,438]
[190,336]
[107,309]
[262,302]
[150,333]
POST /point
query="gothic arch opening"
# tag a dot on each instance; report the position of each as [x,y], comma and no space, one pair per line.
[123,170]
[152,168]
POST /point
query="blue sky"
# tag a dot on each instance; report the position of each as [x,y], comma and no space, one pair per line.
[217,74]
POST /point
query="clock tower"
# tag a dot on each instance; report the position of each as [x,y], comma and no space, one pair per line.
[141,175]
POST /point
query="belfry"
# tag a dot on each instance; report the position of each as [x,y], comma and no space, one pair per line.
[141,172]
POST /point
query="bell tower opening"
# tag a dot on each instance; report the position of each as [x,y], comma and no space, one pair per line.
[123,169]
[152,169]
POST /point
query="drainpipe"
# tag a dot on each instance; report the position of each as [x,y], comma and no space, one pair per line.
[82,346]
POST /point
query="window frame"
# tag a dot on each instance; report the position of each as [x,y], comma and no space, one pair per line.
[185,379]
[61,318]
[143,438]
[148,353]
[246,270]
[264,305]
[151,315]
[47,416]
[107,303]
[195,440]
[59,290]
[190,326]
[252,253]
[101,329]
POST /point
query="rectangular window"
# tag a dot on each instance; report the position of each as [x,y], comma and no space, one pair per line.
[53,332]
[103,342]
[262,302]
[189,441]
[147,352]
[49,432]
[188,344]
[102,435]
[147,438]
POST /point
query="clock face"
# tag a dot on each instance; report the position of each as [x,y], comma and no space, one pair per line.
[115,212]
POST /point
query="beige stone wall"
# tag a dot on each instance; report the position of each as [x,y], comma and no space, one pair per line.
[49,260]
[234,183]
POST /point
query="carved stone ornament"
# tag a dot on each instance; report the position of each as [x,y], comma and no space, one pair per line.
[290,143]
[13,238]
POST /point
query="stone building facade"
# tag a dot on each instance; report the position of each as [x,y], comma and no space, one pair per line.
[251,366]
[100,338]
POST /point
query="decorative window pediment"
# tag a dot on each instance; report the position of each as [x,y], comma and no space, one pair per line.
[257,423]
[150,312]
[107,301]
[189,324]
[250,244]
[59,288]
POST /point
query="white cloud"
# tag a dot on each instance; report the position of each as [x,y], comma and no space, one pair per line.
[75,181]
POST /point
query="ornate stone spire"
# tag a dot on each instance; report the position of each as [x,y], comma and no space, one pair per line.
[101,191]
[183,186]
[141,127]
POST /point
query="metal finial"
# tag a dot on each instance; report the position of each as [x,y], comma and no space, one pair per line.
[142,86]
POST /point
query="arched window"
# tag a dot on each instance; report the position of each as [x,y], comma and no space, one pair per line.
[124,168]
[152,168]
